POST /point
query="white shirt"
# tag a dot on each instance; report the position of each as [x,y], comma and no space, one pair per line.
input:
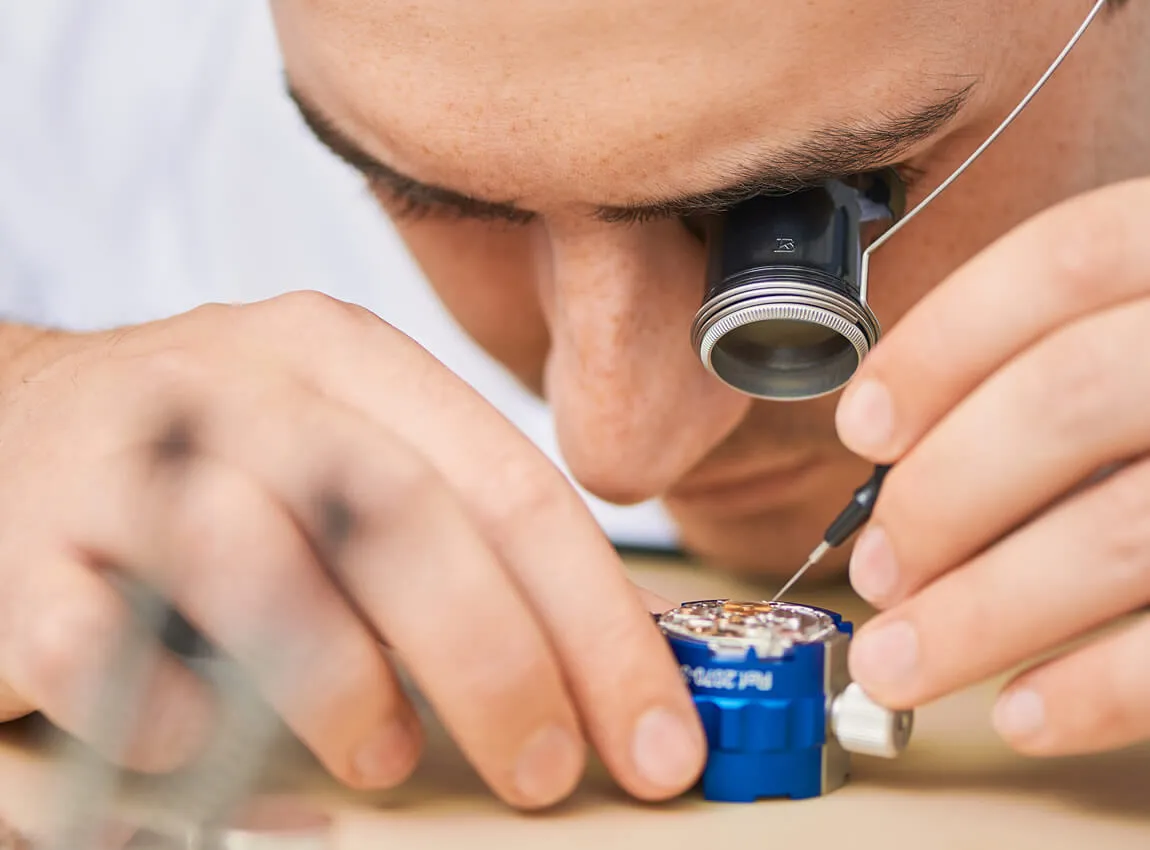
[150,161]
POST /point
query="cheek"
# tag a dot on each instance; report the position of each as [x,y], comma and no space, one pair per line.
[485,276]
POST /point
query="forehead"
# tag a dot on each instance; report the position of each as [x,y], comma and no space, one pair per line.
[569,97]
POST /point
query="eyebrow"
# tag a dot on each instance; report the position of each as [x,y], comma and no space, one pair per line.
[831,153]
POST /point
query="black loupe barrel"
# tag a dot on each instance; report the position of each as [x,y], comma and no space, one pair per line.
[783,317]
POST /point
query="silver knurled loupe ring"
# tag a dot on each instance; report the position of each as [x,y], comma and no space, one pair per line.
[781,295]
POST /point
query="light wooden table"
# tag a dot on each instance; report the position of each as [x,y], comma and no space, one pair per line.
[956,787]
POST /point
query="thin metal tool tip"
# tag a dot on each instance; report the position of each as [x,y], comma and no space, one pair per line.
[815,557]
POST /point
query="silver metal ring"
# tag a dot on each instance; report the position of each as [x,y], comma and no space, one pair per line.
[786,295]
[738,316]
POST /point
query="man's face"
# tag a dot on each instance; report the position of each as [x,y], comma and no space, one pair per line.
[543,160]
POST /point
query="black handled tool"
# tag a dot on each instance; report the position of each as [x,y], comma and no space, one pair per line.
[852,518]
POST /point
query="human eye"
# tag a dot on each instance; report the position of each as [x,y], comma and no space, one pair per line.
[409,201]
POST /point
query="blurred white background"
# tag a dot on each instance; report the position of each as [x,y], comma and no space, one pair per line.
[150,161]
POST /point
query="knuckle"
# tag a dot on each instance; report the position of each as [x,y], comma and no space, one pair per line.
[1124,505]
[617,655]
[174,392]
[1072,382]
[173,386]
[413,488]
[173,373]
[1108,711]
[336,519]
[218,312]
[1084,251]
[371,499]
[528,489]
[518,669]
[314,306]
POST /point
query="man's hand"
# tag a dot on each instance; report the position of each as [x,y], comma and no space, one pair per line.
[1002,396]
[297,474]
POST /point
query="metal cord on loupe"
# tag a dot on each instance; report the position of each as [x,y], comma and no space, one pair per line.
[784,316]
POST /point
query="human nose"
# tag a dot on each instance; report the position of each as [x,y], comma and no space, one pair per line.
[634,407]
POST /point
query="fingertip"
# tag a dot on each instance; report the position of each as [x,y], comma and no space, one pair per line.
[548,768]
[865,419]
[1020,718]
[669,752]
[873,569]
[388,756]
[885,660]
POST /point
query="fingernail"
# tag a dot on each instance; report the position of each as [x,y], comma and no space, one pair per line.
[386,757]
[1019,714]
[885,656]
[873,569]
[865,418]
[549,765]
[666,752]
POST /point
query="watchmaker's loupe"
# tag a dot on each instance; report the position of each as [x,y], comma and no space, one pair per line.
[785,314]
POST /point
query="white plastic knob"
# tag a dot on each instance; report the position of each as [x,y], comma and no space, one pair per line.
[863,726]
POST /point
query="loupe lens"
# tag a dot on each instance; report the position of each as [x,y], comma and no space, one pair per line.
[783,317]
[784,333]
[784,357]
